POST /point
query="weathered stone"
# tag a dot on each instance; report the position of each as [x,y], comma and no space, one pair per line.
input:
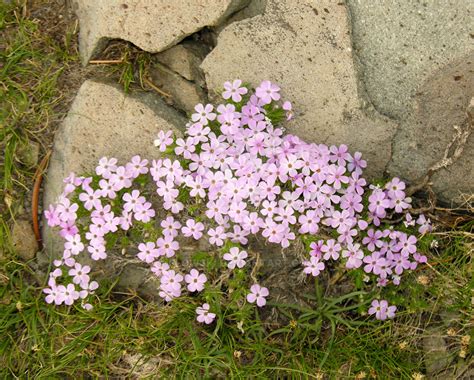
[436,353]
[440,104]
[103,121]
[23,240]
[151,25]
[184,94]
[401,43]
[254,8]
[184,59]
[306,49]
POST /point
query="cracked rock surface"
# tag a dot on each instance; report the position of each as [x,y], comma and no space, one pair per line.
[152,25]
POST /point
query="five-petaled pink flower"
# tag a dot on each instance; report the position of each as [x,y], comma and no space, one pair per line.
[204,315]
[235,257]
[381,310]
[234,90]
[257,294]
[195,280]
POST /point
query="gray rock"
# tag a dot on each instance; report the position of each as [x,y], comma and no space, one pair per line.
[307,50]
[103,121]
[401,43]
[151,25]
[439,105]
[23,240]
[184,94]
[436,356]
[184,59]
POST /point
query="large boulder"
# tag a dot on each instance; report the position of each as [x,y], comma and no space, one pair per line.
[400,44]
[305,48]
[435,128]
[104,121]
[151,25]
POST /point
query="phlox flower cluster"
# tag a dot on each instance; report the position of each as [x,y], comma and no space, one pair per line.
[247,177]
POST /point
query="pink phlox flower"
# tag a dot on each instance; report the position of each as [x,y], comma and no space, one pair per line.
[68,293]
[395,188]
[331,250]
[373,239]
[185,148]
[163,140]
[253,222]
[381,310]
[267,91]
[197,186]
[174,206]
[217,235]
[425,224]
[68,228]
[80,274]
[238,234]
[167,246]
[354,255]
[52,216]
[133,201]
[193,229]
[313,266]
[339,154]
[97,252]
[158,268]
[315,248]
[258,294]
[73,244]
[170,226]
[235,258]
[378,203]
[106,167]
[289,110]
[54,295]
[234,90]
[356,163]
[204,315]
[90,199]
[107,189]
[67,210]
[373,262]
[147,252]
[309,222]
[144,212]
[400,263]
[137,166]
[406,244]
[203,114]
[195,280]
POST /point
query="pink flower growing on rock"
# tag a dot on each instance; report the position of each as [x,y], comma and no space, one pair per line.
[203,114]
[258,295]
[234,90]
[163,140]
[235,258]
[267,91]
[74,244]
